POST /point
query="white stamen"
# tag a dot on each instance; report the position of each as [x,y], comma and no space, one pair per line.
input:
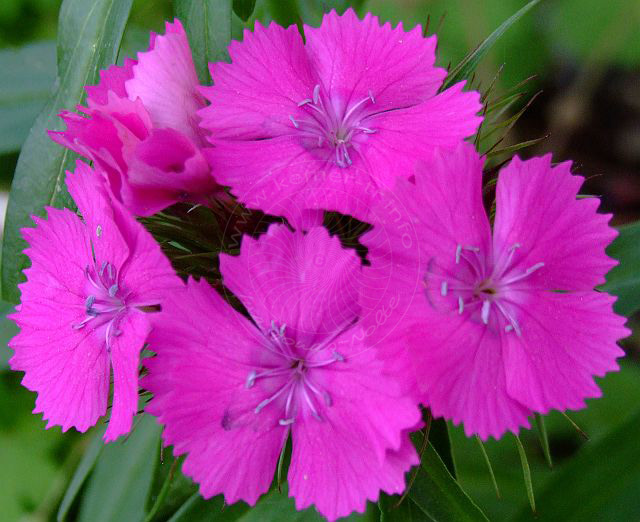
[99,230]
[458,252]
[285,422]
[295,123]
[460,305]
[443,289]
[304,102]
[316,94]
[373,100]
[484,313]
[508,328]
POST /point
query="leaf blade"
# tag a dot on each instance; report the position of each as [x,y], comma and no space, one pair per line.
[624,280]
[208,24]
[468,64]
[88,40]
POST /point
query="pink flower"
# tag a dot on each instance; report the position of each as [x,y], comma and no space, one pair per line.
[141,129]
[81,312]
[505,323]
[325,124]
[230,391]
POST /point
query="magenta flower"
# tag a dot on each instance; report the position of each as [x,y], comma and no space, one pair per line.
[497,325]
[325,124]
[81,314]
[229,391]
[141,129]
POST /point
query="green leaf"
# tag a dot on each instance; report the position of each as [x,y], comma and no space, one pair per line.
[119,485]
[624,280]
[80,475]
[7,330]
[487,461]
[469,63]
[89,35]
[285,12]
[197,509]
[406,511]
[208,24]
[526,471]
[436,493]
[544,439]
[600,483]
[244,8]
[25,85]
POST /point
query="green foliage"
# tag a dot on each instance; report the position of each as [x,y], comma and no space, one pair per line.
[470,62]
[208,24]
[88,39]
[624,279]
[244,8]
[599,483]
[121,481]
[25,85]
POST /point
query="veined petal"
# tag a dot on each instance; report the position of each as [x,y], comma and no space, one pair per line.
[165,80]
[307,281]
[567,339]
[537,209]
[461,373]
[354,57]
[254,95]
[204,349]
[125,359]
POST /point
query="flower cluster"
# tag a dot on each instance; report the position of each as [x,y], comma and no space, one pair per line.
[482,320]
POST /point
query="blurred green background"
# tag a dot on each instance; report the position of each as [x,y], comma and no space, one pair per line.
[585,55]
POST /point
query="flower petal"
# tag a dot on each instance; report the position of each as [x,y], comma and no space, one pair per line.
[165,80]
[280,177]
[125,359]
[198,380]
[361,445]
[66,366]
[537,209]
[566,340]
[111,79]
[356,57]
[417,229]
[462,375]
[253,96]
[307,281]
[406,136]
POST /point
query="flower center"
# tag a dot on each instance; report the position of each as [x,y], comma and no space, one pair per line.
[327,126]
[297,388]
[104,305]
[481,287]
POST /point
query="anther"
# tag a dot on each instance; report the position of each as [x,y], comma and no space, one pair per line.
[458,252]
[295,123]
[113,290]
[285,422]
[316,94]
[460,305]
[443,289]
[251,379]
[99,231]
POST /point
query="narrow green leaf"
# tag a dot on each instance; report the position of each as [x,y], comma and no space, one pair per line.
[439,438]
[544,439]
[80,475]
[485,456]
[89,35]
[624,280]
[25,86]
[437,494]
[516,147]
[7,330]
[469,63]
[208,24]
[244,8]
[601,482]
[162,494]
[526,471]
[406,511]
[118,487]
[197,509]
